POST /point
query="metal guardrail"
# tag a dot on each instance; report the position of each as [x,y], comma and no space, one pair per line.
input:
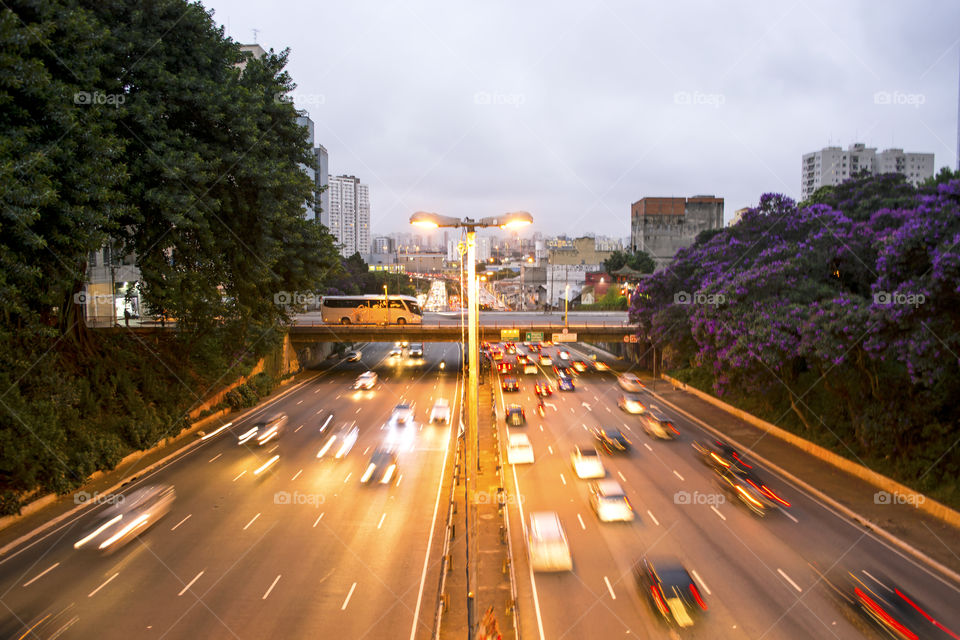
[504,506]
[617,324]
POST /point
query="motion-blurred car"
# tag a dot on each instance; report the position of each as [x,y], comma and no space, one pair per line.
[402,413]
[340,442]
[510,384]
[748,493]
[127,517]
[631,403]
[353,356]
[630,382]
[886,606]
[510,348]
[612,440]
[504,367]
[382,468]
[415,350]
[396,352]
[547,543]
[264,431]
[366,380]
[565,383]
[496,353]
[522,359]
[720,455]
[600,365]
[564,354]
[672,591]
[440,411]
[579,366]
[519,449]
[543,389]
[530,368]
[545,360]
[586,463]
[658,425]
[563,370]
[610,502]
[515,416]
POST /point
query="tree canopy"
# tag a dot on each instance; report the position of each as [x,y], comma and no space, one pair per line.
[636,260]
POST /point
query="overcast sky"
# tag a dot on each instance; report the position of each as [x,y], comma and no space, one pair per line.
[574,110]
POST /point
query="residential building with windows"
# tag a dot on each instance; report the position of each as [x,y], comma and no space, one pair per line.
[350,214]
[832,165]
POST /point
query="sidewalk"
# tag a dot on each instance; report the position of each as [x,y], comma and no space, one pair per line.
[918,529]
[493,577]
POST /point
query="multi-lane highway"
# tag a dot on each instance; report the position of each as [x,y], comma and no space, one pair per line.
[756,574]
[301,550]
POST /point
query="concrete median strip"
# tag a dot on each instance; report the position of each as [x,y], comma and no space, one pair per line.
[836,506]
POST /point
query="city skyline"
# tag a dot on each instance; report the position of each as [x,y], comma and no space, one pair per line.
[601,105]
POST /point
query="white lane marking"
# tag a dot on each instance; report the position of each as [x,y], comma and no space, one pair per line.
[317,521]
[319,389]
[653,517]
[621,476]
[319,411]
[365,450]
[550,449]
[563,480]
[608,410]
[399,478]
[649,448]
[582,526]
[787,578]
[677,474]
[541,427]
[190,584]
[181,522]
[299,403]
[613,596]
[109,580]
[700,580]
[347,478]
[788,514]
[252,520]
[296,476]
[239,476]
[298,428]
[275,447]
[338,396]
[214,457]
[717,511]
[571,410]
[358,410]
[347,600]
[380,524]
[275,581]
[30,582]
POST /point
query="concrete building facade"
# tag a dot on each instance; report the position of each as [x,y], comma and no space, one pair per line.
[322,184]
[663,226]
[832,165]
[350,214]
[580,251]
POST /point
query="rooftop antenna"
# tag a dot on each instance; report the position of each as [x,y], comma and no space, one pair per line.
[255,32]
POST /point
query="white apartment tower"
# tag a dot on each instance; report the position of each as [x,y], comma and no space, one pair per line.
[350,215]
[833,165]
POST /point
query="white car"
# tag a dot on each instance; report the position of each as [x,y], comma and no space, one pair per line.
[587,463]
[600,365]
[547,543]
[545,360]
[564,354]
[340,441]
[631,403]
[530,369]
[366,380]
[440,411]
[396,352]
[519,449]
[610,502]
[402,413]
[630,382]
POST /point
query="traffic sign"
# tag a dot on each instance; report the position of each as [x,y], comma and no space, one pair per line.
[509,334]
[534,336]
[564,337]
[630,338]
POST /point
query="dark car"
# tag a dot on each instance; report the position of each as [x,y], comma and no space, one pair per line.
[658,425]
[734,484]
[504,367]
[565,383]
[612,440]
[563,370]
[510,384]
[672,591]
[883,604]
[719,454]
[543,389]
[382,468]
[515,416]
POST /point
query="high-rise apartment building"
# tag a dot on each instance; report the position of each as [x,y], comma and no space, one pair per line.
[350,214]
[833,165]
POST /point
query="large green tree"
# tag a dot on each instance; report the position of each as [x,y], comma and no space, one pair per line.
[636,260]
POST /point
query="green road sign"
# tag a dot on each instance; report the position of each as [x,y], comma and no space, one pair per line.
[534,336]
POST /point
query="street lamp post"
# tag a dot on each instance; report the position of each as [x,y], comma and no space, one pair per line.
[566,307]
[471,440]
